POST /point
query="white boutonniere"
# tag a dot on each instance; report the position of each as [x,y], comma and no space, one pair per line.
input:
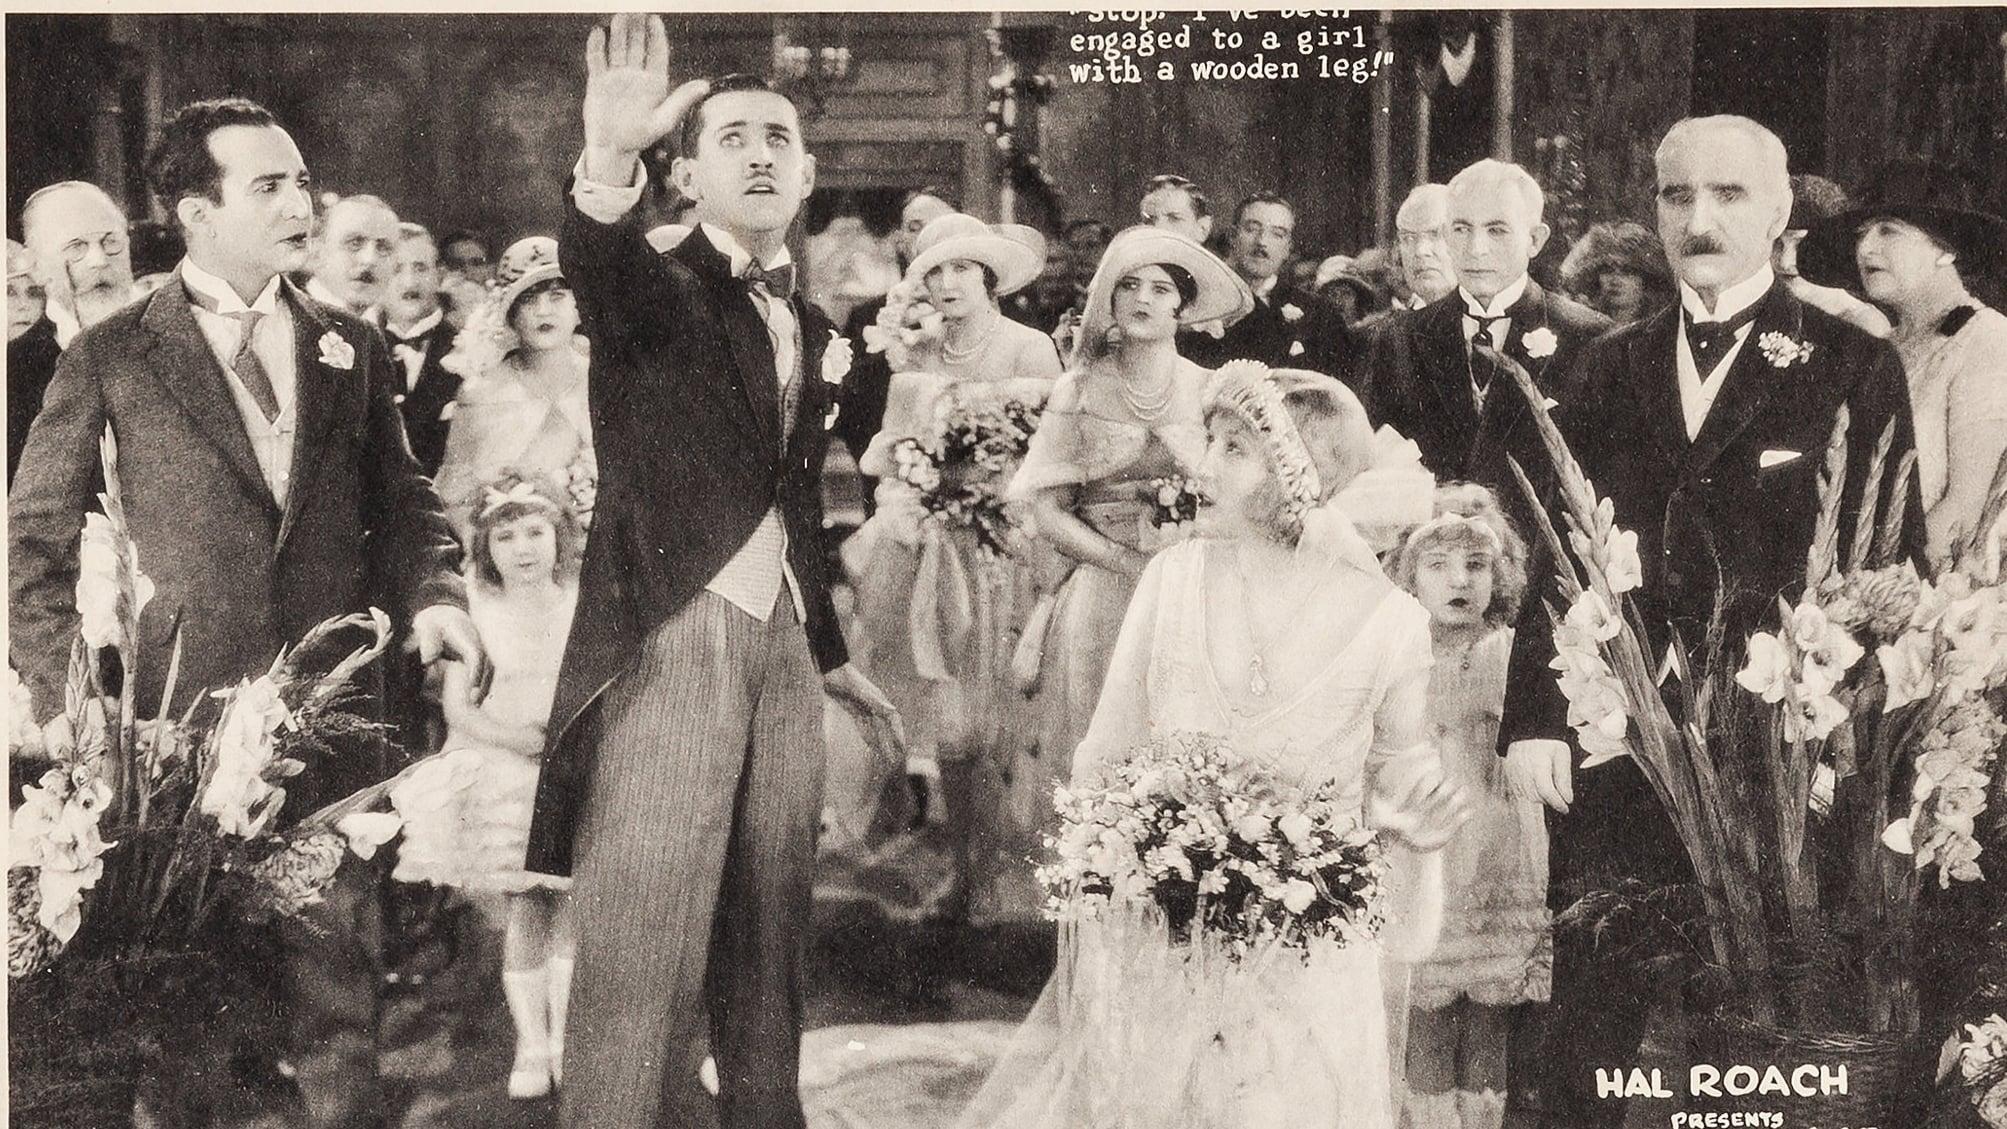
[336,352]
[1296,348]
[1782,350]
[1292,312]
[1540,343]
[836,359]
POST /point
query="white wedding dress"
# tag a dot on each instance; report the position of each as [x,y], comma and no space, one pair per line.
[1133,1032]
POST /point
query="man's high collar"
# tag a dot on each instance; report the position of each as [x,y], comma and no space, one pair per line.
[224,295]
[729,246]
[1732,300]
[1500,302]
[418,328]
[66,323]
[321,292]
[1264,287]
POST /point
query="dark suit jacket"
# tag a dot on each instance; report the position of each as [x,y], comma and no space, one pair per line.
[1270,335]
[686,421]
[31,364]
[422,404]
[1703,510]
[865,389]
[1419,378]
[360,526]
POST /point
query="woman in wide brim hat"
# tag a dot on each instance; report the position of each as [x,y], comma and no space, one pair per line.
[942,599]
[1125,420]
[1913,244]
[522,400]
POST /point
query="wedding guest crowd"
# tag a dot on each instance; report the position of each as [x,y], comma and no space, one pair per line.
[478,399]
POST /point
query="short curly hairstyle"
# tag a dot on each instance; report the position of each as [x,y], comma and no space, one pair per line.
[1486,520]
[501,500]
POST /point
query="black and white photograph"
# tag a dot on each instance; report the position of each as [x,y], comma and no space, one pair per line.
[808,567]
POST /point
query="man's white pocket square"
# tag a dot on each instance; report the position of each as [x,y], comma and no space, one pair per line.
[1770,459]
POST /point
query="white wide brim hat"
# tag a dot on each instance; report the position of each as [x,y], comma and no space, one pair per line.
[1222,295]
[527,262]
[1013,252]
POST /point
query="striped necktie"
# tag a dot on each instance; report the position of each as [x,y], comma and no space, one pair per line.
[245,363]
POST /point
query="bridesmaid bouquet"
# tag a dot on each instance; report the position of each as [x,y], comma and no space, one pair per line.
[905,323]
[1174,500]
[1186,828]
[958,473]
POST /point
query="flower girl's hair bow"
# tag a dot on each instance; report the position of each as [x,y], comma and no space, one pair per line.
[521,493]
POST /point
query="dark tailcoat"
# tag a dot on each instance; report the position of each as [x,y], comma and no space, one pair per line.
[687,424]
[1419,379]
[1291,328]
[1706,511]
[424,404]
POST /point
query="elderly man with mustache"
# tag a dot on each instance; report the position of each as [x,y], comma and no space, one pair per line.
[82,258]
[358,255]
[1706,424]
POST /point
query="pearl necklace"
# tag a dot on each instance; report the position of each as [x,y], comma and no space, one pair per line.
[1152,405]
[956,356]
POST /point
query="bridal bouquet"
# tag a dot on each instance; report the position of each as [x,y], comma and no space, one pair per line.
[148,831]
[1190,830]
[905,323]
[1174,500]
[1815,786]
[959,469]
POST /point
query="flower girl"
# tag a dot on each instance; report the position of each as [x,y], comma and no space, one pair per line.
[467,812]
[1468,568]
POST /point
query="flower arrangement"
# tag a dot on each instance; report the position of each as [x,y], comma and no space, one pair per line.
[906,323]
[1982,1065]
[143,834]
[1781,777]
[1186,828]
[1174,501]
[957,472]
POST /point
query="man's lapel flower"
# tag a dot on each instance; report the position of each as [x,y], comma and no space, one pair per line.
[336,352]
[1292,312]
[1782,350]
[1540,343]
[1296,348]
[836,359]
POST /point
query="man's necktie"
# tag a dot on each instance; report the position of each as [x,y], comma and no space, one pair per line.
[1488,330]
[245,363]
[1711,340]
[779,280]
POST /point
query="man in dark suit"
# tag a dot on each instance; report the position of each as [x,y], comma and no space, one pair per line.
[1706,426]
[683,781]
[1290,326]
[1431,373]
[268,483]
[420,337]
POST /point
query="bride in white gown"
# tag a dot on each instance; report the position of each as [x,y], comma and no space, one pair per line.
[1276,631]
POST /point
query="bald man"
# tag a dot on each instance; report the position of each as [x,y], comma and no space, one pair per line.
[1422,226]
[81,256]
[1709,439]
[1433,373]
[358,256]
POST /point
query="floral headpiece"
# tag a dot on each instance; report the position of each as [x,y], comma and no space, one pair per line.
[1248,389]
[522,492]
[1445,522]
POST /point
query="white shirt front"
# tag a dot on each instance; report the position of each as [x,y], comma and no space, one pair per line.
[1264,288]
[65,324]
[752,580]
[321,292]
[411,356]
[1697,390]
[1500,302]
[273,343]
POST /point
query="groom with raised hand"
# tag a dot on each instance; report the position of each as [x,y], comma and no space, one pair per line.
[683,781]
[1706,425]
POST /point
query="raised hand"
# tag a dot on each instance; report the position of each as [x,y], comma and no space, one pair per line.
[628,104]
